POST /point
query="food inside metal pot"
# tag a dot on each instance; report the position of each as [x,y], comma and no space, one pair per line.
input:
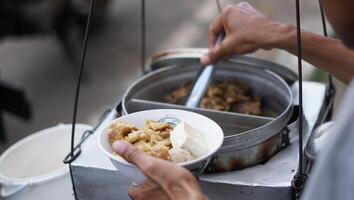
[230,95]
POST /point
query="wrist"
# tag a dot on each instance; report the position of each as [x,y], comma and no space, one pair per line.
[282,36]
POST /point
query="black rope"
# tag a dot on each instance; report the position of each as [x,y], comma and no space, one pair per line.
[323,19]
[299,179]
[143,38]
[77,92]
[299,60]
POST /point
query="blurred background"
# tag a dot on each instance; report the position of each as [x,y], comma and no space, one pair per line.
[40,49]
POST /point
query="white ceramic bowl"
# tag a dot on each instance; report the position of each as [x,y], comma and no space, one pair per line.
[212,132]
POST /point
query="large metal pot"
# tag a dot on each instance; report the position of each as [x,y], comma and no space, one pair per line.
[249,140]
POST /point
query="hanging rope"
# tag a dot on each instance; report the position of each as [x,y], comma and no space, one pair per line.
[78,85]
[74,154]
[299,62]
[300,177]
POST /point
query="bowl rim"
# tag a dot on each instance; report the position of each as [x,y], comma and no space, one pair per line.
[121,160]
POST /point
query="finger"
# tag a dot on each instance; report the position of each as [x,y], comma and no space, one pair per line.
[226,57]
[134,192]
[217,53]
[204,60]
[244,49]
[159,170]
[214,29]
[130,153]
[148,190]
[154,168]
[244,4]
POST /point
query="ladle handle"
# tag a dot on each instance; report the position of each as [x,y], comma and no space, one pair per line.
[203,79]
[200,86]
[220,38]
[204,76]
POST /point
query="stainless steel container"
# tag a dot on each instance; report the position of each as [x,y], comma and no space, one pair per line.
[249,140]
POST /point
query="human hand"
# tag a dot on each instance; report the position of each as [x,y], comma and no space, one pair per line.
[165,179]
[246,30]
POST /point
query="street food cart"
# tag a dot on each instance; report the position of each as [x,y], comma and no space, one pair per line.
[262,157]
[241,169]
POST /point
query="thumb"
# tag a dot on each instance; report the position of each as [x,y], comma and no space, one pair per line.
[129,152]
[217,53]
[154,168]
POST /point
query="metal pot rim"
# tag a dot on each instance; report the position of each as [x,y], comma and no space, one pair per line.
[247,138]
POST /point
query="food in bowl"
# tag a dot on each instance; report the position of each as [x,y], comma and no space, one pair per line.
[230,95]
[212,134]
[178,144]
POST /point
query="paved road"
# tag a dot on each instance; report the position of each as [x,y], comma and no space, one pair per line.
[39,65]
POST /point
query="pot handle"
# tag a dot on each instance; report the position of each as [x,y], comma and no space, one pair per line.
[9,189]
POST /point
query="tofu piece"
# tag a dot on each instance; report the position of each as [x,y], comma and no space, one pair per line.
[179,155]
[189,138]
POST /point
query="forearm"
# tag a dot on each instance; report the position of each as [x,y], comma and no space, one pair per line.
[326,53]
[248,30]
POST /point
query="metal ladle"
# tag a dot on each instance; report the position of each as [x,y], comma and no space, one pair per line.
[204,76]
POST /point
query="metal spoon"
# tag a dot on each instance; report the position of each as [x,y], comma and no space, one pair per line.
[204,76]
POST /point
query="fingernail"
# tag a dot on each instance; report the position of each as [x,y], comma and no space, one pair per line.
[119,147]
[205,59]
